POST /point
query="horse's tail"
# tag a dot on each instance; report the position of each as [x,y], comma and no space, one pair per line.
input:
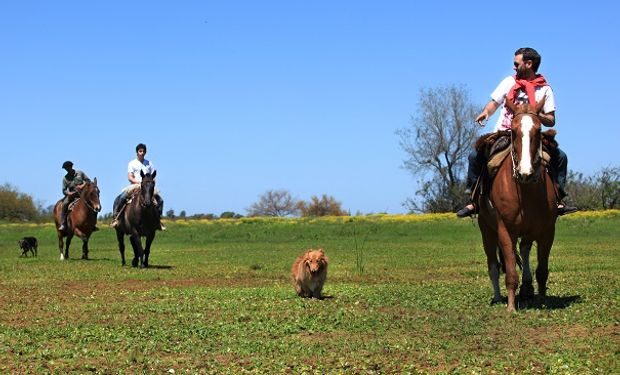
[503,263]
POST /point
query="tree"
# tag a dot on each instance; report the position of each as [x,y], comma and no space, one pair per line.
[437,144]
[609,182]
[170,214]
[182,214]
[274,203]
[601,191]
[326,206]
[230,215]
[15,205]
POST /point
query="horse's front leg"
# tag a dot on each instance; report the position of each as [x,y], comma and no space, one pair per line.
[527,289]
[120,238]
[489,242]
[542,270]
[147,249]
[136,244]
[507,244]
[85,248]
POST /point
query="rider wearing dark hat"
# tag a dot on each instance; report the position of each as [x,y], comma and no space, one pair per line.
[71,182]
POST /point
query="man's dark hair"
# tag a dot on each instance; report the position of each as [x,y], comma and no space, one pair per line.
[141,146]
[530,54]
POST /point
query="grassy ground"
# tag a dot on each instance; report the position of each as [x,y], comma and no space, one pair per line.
[405,295]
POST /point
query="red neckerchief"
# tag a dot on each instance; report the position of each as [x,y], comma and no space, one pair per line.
[528,86]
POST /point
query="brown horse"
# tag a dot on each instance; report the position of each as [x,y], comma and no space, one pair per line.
[521,203]
[140,218]
[81,219]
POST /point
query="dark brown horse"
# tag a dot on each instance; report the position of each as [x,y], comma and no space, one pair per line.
[522,203]
[140,218]
[81,219]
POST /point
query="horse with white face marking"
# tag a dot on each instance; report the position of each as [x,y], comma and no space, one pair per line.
[521,204]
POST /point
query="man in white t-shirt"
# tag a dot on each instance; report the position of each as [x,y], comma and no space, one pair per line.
[519,88]
[137,165]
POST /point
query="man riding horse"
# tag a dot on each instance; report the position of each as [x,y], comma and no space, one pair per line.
[135,166]
[518,89]
[71,183]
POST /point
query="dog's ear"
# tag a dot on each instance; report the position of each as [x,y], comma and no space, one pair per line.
[321,251]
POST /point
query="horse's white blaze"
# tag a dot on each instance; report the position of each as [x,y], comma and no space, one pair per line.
[525,164]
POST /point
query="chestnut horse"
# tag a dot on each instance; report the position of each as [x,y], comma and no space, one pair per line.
[81,219]
[140,218]
[521,203]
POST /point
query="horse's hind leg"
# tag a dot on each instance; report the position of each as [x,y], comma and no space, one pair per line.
[120,238]
[61,246]
[527,289]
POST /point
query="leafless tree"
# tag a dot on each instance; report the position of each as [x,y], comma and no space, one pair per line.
[274,203]
[437,143]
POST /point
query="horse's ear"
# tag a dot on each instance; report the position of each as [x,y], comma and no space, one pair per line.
[540,105]
[512,106]
[95,181]
[154,174]
[141,173]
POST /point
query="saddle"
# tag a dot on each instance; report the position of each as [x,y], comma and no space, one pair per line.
[496,147]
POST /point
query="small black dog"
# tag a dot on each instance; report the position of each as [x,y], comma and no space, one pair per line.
[27,244]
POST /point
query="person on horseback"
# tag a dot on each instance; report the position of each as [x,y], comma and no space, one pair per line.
[71,182]
[133,175]
[517,88]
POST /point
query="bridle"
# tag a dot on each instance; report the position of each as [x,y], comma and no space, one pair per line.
[513,152]
[86,202]
[147,188]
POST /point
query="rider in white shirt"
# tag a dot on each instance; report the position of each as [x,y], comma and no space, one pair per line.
[137,165]
[526,62]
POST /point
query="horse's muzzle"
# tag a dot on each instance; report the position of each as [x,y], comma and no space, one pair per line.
[527,178]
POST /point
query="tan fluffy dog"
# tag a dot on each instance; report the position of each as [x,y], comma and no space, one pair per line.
[309,273]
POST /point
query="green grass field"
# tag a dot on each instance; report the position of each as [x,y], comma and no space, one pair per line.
[406,294]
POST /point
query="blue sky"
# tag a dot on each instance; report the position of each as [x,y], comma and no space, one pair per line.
[234,98]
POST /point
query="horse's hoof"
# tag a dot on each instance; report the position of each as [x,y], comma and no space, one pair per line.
[526,291]
[134,262]
[495,301]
